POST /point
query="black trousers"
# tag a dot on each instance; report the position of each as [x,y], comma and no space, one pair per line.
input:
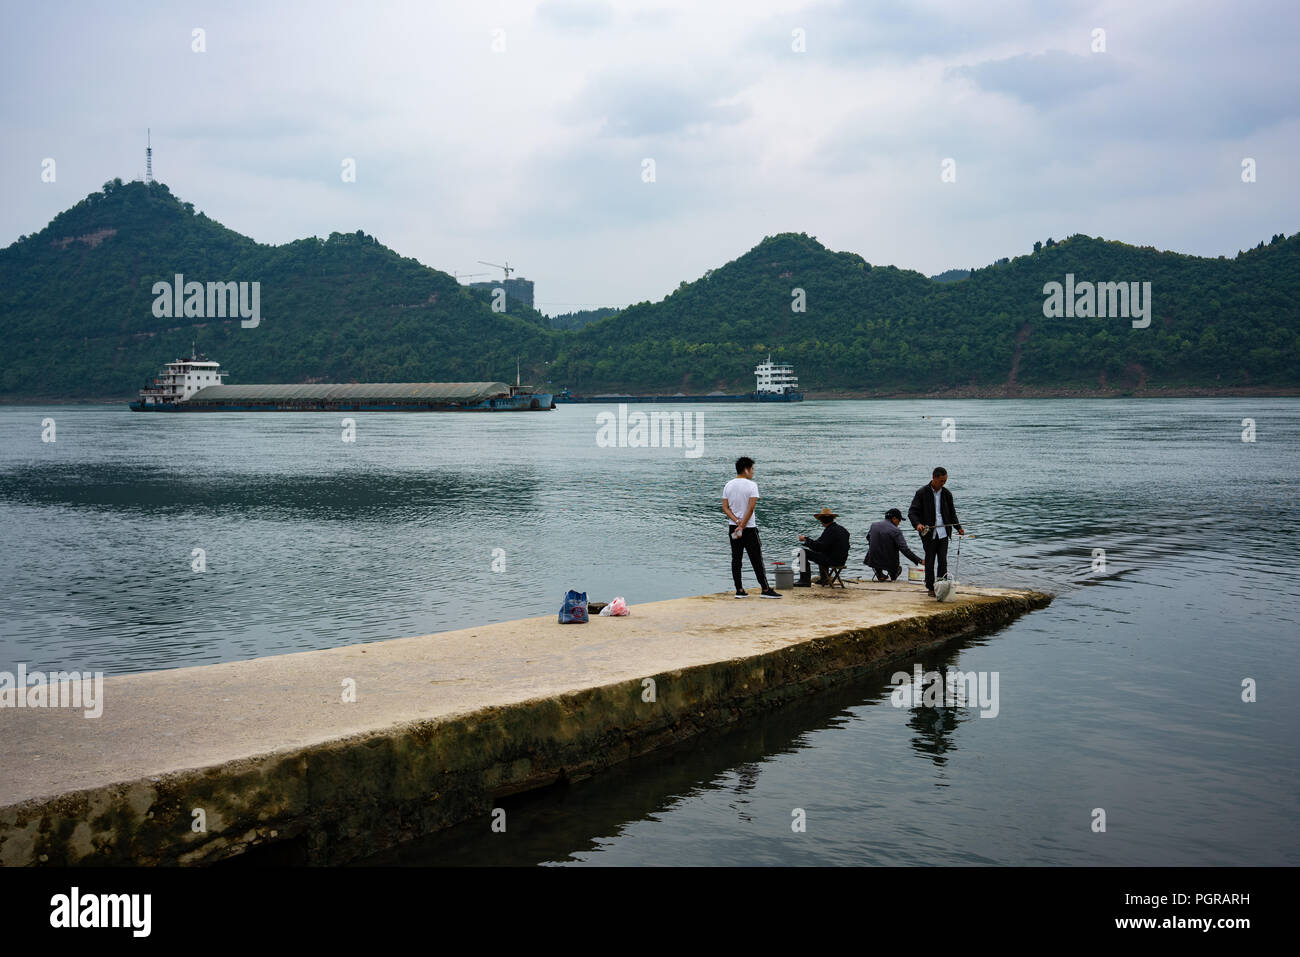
[883,572]
[935,548]
[748,542]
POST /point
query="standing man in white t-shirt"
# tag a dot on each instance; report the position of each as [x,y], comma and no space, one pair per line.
[739,496]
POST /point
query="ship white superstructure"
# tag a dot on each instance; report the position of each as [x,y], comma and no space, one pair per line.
[776,378]
[181,379]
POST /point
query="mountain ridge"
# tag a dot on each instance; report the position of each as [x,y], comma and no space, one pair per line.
[76,297]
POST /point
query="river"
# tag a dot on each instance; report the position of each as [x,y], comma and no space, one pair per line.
[135,542]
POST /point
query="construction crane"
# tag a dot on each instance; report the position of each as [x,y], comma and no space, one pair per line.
[506,268]
[466,275]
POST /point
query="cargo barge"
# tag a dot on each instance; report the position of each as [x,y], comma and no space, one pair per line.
[776,383]
[196,385]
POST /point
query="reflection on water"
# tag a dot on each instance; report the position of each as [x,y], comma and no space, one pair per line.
[368,495]
[566,822]
[1124,694]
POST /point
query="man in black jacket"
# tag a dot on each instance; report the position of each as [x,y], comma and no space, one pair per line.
[831,548]
[884,543]
[932,514]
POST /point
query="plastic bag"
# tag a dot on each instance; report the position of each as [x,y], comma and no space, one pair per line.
[616,607]
[574,609]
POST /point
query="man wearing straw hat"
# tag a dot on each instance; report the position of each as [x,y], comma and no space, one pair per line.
[830,549]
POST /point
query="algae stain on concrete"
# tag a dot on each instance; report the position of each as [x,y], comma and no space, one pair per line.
[349,797]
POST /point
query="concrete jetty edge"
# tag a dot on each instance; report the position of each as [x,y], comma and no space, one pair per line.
[340,799]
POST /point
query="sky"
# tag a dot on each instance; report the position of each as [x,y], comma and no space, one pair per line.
[610,150]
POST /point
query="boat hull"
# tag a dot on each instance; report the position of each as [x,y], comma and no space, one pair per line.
[533,402]
[739,397]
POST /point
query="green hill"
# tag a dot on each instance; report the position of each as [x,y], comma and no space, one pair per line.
[76,306]
[576,320]
[76,313]
[1215,324]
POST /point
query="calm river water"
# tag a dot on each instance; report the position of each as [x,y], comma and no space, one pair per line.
[1125,694]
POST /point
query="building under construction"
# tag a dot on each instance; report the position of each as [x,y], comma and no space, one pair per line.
[519,292]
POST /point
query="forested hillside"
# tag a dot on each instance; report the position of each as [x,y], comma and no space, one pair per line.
[77,318]
[866,329]
[76,313]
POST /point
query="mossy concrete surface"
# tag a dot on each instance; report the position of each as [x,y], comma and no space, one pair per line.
[194,765]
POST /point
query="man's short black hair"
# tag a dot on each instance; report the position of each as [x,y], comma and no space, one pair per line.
[744,463]
[893,513]
[938,470]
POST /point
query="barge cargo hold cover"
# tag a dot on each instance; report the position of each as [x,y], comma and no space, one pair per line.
[194,385]
[362,397]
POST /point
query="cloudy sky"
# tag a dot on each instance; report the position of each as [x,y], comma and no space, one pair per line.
[520,131]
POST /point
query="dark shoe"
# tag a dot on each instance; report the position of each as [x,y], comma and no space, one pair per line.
[741,593]
[821,579]
[770,593]
[930,592]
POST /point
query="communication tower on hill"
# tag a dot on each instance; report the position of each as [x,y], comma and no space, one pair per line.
[148,157]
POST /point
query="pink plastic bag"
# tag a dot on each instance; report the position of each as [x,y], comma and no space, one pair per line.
[616,607]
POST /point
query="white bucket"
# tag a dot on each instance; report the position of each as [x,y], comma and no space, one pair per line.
[916,573]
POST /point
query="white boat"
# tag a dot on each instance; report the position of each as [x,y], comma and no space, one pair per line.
[178,381]
[776,382]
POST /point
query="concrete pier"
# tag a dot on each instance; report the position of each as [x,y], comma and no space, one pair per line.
[272,752]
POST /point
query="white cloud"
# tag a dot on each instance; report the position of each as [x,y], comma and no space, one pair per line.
[534,154]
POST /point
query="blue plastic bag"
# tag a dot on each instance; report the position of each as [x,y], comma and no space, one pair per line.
[574,609]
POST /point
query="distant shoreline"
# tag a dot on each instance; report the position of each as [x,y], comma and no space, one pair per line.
[963,392]
[1024,392]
